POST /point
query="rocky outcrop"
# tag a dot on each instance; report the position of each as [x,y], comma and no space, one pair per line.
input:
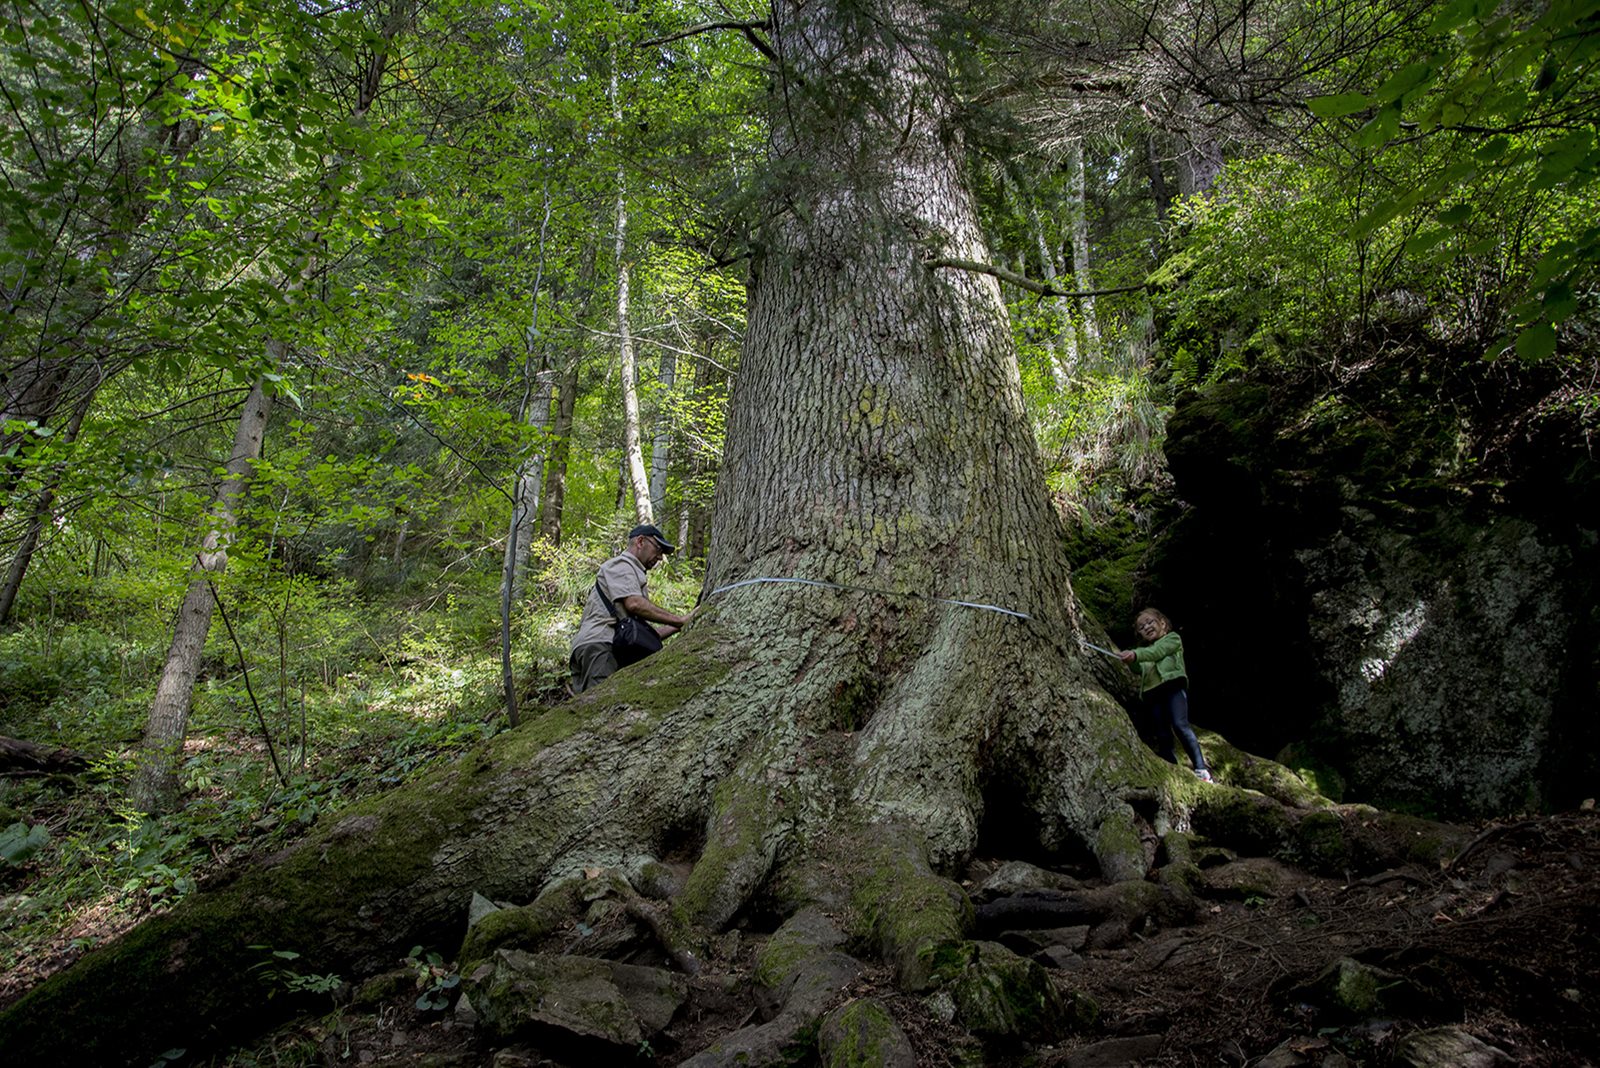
[1390,581]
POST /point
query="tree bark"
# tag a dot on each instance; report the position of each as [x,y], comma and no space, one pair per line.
[1200,160]
[529,483]
[555,471]
[44,504]
[155,776]
[661,446]
[632,445]
[1078,213]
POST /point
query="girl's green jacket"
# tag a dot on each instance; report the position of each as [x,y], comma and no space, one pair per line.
[1160,661]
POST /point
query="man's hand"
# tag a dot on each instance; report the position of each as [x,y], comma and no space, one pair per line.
[666,630]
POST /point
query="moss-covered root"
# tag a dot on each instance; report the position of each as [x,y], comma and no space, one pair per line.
[743,835]
[862,1034]
[1235,767]
[1338,840]
[805,969]
[898,905]
[1119,846]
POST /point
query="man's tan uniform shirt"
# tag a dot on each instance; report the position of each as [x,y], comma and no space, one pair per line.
[621,576]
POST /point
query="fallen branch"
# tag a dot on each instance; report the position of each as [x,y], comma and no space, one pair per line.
[18,757]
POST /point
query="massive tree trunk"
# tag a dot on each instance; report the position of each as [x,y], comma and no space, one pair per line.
[816,748]
[155,777]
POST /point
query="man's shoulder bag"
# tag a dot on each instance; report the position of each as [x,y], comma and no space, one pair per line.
[632,639]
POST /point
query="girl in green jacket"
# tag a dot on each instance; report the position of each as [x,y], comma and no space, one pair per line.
[1163,686]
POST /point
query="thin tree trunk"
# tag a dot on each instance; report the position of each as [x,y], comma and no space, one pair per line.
[530,483]
[632,447]
[555,473]
[661,447]
[43,507]
[155,777]
[1064,342]
[1078,213]
[29,393]
[1158,180]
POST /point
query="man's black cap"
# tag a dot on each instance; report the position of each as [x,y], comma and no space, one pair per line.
[650,531]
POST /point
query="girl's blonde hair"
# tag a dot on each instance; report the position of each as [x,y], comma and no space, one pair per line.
[1161,621]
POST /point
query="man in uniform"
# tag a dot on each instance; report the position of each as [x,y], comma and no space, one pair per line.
[623,579]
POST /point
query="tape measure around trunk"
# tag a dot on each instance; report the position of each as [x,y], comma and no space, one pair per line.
[869,589]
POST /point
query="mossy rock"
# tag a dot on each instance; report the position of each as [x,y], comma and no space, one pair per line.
[1349,989]
[1003,998]
[520,928]
[582,997]
[862,1034]
[383,988]
[1320,845]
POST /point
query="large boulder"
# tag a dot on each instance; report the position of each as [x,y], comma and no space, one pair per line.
[1387,583]
[580,1000]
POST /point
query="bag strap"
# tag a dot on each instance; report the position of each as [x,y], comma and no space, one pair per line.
[606,600]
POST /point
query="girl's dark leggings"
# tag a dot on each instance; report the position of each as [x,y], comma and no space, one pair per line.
[1167,709]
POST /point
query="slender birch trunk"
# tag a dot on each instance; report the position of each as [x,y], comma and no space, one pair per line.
[1064,343]
[661,447]
[632,447]
[1078,214]
[155,778]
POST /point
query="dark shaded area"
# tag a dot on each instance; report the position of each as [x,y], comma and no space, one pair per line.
[1405,467]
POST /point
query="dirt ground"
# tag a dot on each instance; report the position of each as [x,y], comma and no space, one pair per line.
[1503,945]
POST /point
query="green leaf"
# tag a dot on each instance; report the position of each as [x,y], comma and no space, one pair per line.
[1537,342]
[1455,215]
[1425,241]
[1338,105]
[18,842]
[1492,149]
[1456,15]
[1403,81]
[1560,302]
[1382,126]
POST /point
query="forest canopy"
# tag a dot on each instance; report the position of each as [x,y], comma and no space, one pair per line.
[341,341]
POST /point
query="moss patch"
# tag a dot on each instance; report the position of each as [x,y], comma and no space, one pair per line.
[901,907]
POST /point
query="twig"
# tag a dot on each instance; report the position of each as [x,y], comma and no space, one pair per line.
[1029,284]
[1387,876]
[266,735]
[1490,832]
[748,29]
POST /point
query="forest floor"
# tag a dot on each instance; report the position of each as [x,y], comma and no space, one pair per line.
[1502,946]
